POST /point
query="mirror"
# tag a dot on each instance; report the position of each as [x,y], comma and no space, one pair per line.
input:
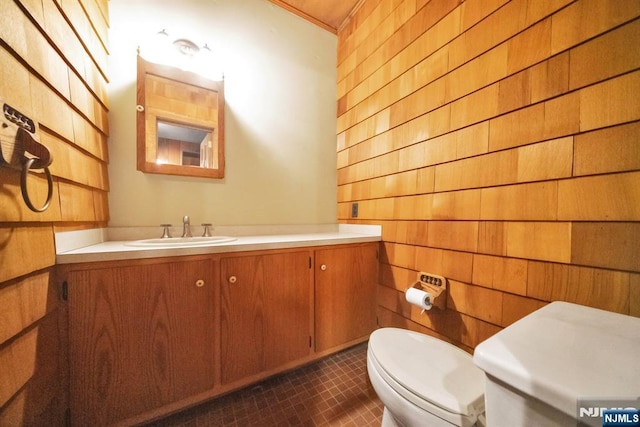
[180,122]
[185,146]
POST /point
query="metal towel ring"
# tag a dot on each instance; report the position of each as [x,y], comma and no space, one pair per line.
[23,185]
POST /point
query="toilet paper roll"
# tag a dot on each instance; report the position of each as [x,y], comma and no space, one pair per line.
[418,297]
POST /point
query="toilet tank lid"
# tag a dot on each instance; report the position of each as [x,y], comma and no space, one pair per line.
[565,352]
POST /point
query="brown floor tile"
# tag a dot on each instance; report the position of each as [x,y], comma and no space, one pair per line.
[332,392]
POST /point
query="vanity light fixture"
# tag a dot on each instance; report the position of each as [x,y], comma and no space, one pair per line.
[184,46]
[187,47]
[182,53]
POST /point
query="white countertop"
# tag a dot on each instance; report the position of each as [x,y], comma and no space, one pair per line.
[94,246]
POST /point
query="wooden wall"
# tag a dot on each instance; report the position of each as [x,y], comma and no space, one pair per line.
[498,143]
[53,58]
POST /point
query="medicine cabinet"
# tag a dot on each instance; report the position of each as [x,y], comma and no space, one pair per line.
[180,122]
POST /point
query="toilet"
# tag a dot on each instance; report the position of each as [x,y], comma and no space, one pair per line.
[423,381]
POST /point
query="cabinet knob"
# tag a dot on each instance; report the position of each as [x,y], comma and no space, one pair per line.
[323,267]
[199,283]
[233,279]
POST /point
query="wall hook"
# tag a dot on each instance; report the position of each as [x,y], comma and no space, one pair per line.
[19,150]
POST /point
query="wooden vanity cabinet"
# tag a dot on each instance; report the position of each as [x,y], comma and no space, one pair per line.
[346,279]
[149,337]
[141,336]
[266,312]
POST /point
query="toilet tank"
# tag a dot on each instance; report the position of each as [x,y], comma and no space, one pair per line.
[561,365]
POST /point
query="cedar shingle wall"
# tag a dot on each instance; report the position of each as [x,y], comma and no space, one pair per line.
[53,57]
[498,143]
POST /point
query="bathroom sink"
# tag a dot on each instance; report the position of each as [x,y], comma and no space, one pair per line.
[172,242]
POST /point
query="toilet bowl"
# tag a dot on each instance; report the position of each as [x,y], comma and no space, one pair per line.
[423,381]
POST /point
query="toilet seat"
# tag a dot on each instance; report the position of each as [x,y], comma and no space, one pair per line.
[430,373]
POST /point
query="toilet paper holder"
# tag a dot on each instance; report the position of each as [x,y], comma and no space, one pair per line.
[435,285]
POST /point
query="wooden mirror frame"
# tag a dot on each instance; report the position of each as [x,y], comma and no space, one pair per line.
[183,112]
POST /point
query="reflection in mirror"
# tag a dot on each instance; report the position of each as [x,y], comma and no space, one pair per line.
[185,146]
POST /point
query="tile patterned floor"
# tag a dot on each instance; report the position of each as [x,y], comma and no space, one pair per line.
[332,392]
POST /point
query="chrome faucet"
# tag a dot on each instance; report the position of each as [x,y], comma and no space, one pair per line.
[186,226]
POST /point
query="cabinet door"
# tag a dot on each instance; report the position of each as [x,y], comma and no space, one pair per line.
[140,337]
[345,294]
[265,312]
[241,314]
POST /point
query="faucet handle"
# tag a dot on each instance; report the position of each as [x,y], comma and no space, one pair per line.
[207,232]
[165,233]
